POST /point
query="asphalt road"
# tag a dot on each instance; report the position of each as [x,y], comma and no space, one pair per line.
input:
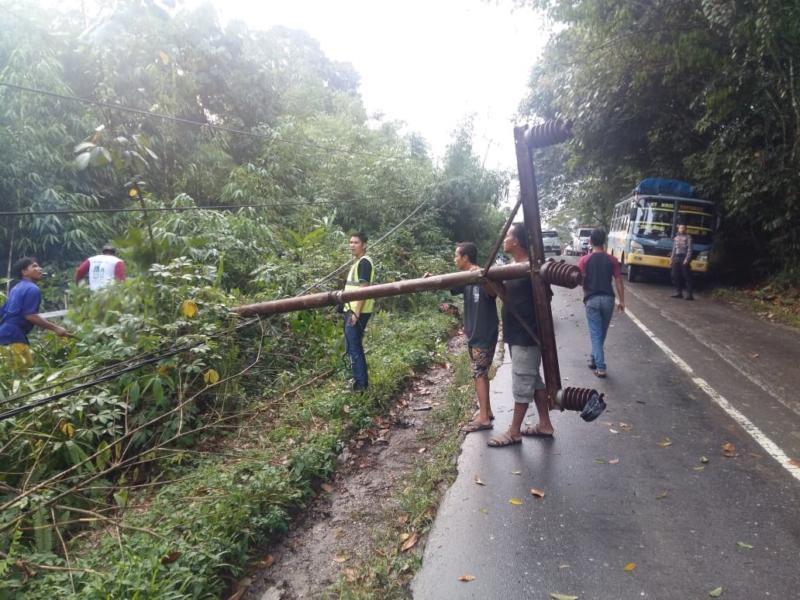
[647,486]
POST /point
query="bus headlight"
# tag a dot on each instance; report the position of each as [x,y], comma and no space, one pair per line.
[636,248]
[702,256]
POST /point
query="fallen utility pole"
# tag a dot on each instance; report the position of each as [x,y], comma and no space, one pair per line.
[526,139]
[398,288]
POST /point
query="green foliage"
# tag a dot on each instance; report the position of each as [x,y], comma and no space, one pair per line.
[231,503]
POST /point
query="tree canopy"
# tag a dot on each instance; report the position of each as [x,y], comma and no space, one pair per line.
[204,114]
[705,91]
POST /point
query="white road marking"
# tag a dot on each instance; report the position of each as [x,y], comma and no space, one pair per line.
[759,436]
[721,353]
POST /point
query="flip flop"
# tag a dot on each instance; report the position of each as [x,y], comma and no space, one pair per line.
[502,440]
[473,426]
[478,412]
[533,431]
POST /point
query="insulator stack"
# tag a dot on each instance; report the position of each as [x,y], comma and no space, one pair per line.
[548,133]
[561,274]
[589,402]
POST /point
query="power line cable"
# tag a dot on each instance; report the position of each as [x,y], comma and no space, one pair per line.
[184,121]
[77,211]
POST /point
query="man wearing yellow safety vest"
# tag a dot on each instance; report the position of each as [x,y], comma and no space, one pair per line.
[357,314]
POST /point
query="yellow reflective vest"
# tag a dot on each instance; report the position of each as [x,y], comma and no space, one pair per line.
[354,284]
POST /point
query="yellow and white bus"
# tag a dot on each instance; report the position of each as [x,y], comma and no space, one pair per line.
[644,223]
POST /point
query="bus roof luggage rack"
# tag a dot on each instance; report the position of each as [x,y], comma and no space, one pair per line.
[664,187]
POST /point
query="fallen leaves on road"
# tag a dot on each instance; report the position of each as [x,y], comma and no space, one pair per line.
[662,495]
[421,450]
[612,430]
[728,450]
[716,592]
[326,487]
[341,557]
[665,442]
[537,493]
[704,459]
[754,355]
[600,461]
[409,543]
[516,472]
[557,596]
[625,426]
[467,578]
[478,480]
[794,462]
[629,567]
[744,545]
[614,461]
[516,501]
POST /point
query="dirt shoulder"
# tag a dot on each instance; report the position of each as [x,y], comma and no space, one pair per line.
[771,302]
[363,531]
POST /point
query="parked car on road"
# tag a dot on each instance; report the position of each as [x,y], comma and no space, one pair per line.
[580,241]
[551,241]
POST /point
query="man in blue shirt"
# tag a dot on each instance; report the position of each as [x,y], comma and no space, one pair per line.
[21,312]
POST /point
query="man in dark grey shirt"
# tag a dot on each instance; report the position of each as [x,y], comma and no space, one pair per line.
[480,328]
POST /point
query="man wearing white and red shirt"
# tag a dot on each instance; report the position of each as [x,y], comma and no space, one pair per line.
[101,269]
[599,268]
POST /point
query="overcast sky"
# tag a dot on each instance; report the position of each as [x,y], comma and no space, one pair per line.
[429,63]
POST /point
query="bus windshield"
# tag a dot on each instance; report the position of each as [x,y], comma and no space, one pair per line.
[654,219]
[698,220]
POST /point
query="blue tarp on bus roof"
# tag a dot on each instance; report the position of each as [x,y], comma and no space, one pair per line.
[664,187]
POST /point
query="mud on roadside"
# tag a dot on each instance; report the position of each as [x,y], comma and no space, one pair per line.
[340,525]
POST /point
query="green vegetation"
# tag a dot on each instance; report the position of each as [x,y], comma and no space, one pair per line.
[221,498]
[703,91]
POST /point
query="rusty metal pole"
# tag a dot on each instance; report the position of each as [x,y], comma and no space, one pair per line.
[525,139]
[398,288]
[588,401]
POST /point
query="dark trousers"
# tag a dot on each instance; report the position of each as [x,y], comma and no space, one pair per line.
[681,274]
[354,341]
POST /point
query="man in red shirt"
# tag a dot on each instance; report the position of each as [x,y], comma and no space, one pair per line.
[599,268]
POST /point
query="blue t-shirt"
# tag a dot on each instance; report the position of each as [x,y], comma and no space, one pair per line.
[23,300]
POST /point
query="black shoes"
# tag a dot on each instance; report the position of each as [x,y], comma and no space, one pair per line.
[690,297]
